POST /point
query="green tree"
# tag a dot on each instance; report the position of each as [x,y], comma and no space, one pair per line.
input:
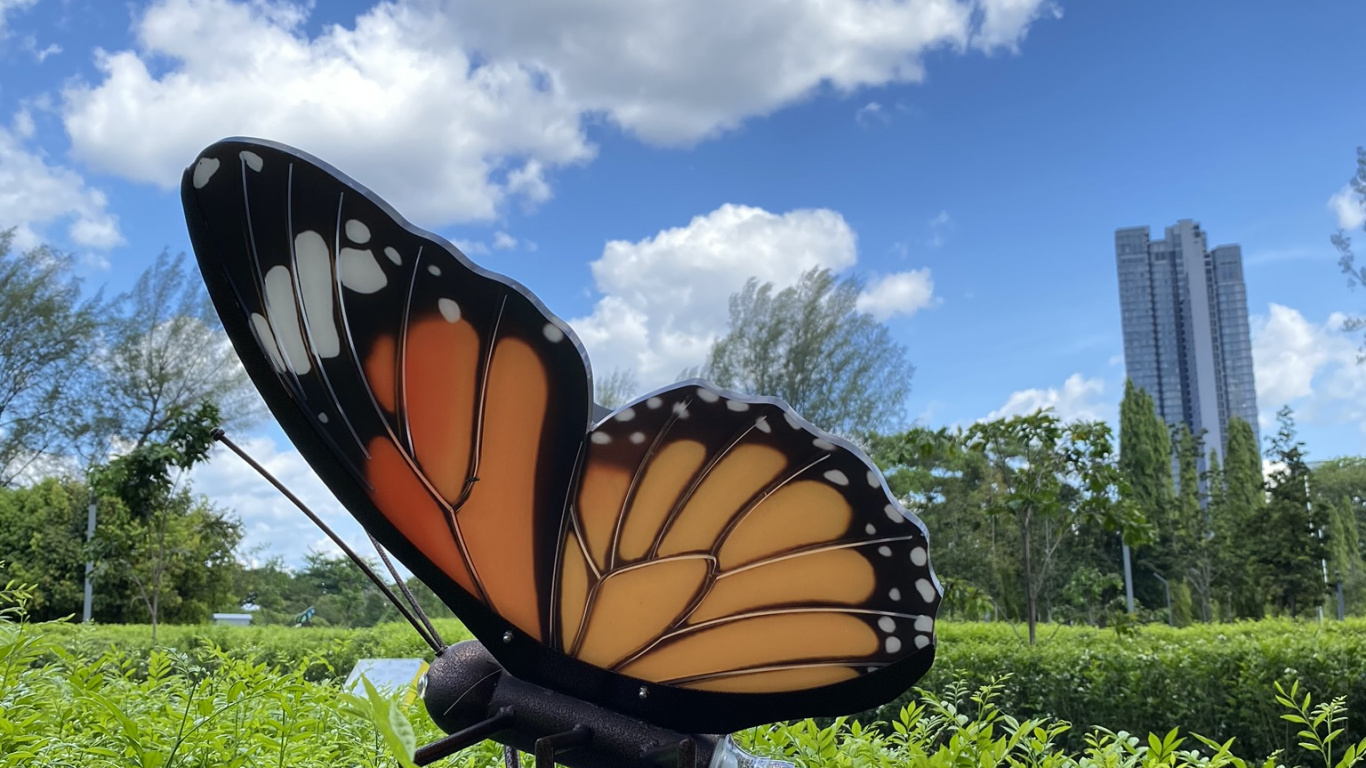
[47,336]
[1241,578]
[1339,485]
[810,345]
[1356,275]
[1293,550]
[152,528]
[1145,458]
[1194,537]
[615,389]
[42,543]
[1051,479]
[166,354]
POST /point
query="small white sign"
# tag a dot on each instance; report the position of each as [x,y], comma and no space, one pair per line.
[389,676]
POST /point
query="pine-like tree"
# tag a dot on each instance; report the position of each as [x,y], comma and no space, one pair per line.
[1293,549]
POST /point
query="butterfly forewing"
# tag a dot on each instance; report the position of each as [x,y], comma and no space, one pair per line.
[442,402]
[699,559]
[718,542]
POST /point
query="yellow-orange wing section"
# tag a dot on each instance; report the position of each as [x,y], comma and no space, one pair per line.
[442,403]
[720,543]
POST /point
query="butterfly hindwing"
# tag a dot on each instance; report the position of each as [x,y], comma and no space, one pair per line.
[443,403]
[718,542]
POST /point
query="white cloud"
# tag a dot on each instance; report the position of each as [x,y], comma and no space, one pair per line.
[1310,366]
[35,193]
[871,113]
[1079,398]
[675,73]
[1006,22]
[665,298]
[901,293]
[270,522]
[388,99]
[1349,207]
[8,6]
[939,229]
[503,241]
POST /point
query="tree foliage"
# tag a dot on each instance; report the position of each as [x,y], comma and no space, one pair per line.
[1356,274]
[166,354]
[47,335]
[810,345]
[1293,550]
[1050,479]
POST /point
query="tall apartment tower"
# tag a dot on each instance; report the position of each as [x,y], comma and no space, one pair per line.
[1186,337]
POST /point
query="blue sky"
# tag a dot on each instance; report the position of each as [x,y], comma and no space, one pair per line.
[632,161]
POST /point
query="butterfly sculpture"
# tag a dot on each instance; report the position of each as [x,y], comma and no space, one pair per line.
[696,560]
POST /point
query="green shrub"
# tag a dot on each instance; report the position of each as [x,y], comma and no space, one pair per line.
[1215,680]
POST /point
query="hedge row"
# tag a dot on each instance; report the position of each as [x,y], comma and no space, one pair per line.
[1215,680]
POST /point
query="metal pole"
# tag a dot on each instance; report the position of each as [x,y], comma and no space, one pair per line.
[1170,621]
[89,565]
[1128,580]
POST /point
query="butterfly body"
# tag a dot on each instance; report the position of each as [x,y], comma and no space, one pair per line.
[698,559]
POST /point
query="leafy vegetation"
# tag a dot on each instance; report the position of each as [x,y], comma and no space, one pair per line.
[93,703]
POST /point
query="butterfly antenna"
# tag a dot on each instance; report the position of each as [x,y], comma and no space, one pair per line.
[403,587]
[430,639]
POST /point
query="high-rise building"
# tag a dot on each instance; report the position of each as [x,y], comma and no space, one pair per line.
[1186,337]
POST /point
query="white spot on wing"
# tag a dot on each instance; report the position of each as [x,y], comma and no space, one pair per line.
[393,255]
[893,514]
[707,395]
[922,640]
[252,159]
[434,269]
[837,477]
[792,420]
[266,338]
[653,403]
[762,424]
[886,624]
[681,410]
[637,437]
[924,624]
[826,445]
[870,529]
[626,415]
[204,170]
[894,593]
[553,332]
[357,231]
[360,272]
[926,589]
[737,405]
[872,479]
[449,310]
[323,418]
[284,320]
[893,644]
[315,285]
[601,438]
[918,556]
[884,550]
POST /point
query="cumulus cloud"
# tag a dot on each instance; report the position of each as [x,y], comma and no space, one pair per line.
[1078,398]
[36,193]
[271,524]
[1310,366]
[675,73]
[503,241]
[901,293]
[665,298]
[1348,207]
[443,136]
